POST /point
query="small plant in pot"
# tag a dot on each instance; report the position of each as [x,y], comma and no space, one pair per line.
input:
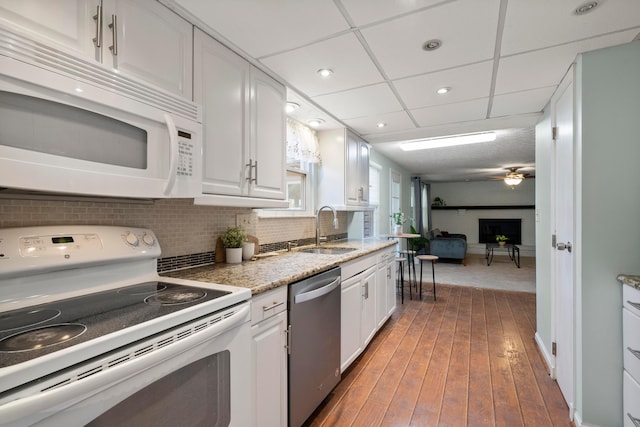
[398,219]
[232,239]
[501,239]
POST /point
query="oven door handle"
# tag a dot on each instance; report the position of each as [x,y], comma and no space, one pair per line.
[174,154]
[316,293]
[41,405]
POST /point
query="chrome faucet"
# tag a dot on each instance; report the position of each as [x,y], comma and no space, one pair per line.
[335,221]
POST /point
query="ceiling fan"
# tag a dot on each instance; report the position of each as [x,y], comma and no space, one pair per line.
[513,177]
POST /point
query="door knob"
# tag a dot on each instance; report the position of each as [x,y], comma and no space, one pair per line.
[563,246]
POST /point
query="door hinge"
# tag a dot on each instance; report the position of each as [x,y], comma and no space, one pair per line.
[553,241]
[554,133]
[553,348]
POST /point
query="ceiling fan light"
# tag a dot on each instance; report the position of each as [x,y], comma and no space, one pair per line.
[448,141]
[513,178]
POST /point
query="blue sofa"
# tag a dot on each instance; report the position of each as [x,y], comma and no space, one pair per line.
[447,246]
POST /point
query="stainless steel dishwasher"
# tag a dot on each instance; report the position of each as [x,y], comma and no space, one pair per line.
[314,347]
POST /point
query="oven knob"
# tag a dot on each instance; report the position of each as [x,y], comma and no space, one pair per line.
[148,239]
[132,239]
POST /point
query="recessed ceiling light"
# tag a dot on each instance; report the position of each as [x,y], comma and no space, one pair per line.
[381,125]
[448,141]
[314,123]
[432,44]
[291,107]
[443,90]
[586,8]
[325,72]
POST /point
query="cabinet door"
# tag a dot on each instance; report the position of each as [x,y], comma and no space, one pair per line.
[381,295]
[391,287]
[350,321]
[270,371]
[152,42]
[268,142]
[368,306]
[63,23]
[363,168]
[352,182]
[221,83]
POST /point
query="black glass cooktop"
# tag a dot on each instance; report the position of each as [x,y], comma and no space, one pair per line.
[32,332]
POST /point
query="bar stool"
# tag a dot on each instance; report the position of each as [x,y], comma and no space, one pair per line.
[433,259]
[410,255]
[400,272]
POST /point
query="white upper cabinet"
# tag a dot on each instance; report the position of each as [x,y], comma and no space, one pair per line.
[244,124]
[344,174]
[140,38]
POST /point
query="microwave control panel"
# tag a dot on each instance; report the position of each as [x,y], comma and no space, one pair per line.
[186,150]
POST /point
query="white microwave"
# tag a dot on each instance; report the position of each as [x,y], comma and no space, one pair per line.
[71,126]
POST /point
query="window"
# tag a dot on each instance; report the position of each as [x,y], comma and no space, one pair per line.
[303,157]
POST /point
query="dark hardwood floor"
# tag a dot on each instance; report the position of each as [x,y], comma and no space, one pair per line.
[469,359]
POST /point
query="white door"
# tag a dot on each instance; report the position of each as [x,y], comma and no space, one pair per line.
[563,183]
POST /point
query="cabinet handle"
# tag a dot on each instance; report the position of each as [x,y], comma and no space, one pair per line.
[114,37]
[366,290]
[250,166]
[388,272]
[636,353]
[288,344]
[255,167]
[97,40]
[635,305]
[634,420]
[274,305]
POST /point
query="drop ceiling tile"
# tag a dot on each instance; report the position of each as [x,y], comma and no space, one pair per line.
[466,83]
[264,27]
[397,44]
[345,55]
[367,11]
[528,101]
[451,113]
[535,24]
[395,122]
[546,67]
[369,100]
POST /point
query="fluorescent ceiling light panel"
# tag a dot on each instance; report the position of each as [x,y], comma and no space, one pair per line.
[448,141]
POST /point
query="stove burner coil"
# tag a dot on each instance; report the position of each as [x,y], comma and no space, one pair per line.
[27,317]
[175,297]
[38,338]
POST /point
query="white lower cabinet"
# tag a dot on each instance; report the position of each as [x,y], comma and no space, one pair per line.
[269,355]
[368,298]
[631,358]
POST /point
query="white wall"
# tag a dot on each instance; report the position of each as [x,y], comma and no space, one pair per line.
[485,193]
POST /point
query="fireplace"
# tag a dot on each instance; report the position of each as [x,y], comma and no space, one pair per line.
[488,228]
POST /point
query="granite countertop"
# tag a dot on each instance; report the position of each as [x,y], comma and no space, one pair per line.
[271,272]
[630,280]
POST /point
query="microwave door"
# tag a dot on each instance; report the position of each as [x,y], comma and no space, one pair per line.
[54,142]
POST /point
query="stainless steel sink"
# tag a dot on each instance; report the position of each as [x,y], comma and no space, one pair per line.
[328,251]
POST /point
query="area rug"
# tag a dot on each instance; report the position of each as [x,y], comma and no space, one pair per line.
[501,274]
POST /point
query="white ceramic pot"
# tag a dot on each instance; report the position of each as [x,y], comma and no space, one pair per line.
[234,255]
[397,229]
[502,243]
[248,249]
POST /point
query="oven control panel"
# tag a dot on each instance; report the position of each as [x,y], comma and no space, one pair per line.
[32,250]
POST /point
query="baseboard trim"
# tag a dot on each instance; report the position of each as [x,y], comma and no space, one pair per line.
[550,361]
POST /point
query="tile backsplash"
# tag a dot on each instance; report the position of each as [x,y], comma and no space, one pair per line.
[181,227]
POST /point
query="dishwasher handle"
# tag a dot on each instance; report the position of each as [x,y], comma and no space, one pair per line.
[316,293]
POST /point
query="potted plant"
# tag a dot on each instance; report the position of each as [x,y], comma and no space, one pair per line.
[439,201]
[417,244]
[232,239]
[398,219]
[501,239]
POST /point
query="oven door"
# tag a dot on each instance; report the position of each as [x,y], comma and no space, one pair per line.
[194,375]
